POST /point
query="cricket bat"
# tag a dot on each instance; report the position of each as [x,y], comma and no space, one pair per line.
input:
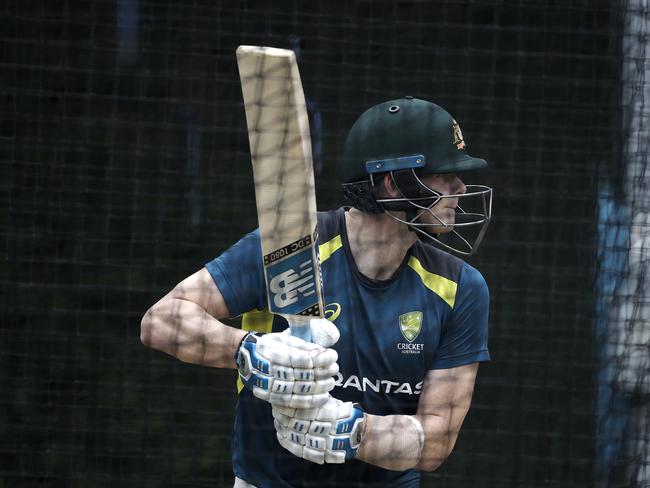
[280,145]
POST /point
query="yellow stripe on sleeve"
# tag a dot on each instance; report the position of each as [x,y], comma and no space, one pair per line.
[441,286]
[240,385]
[259,321]
[330,247]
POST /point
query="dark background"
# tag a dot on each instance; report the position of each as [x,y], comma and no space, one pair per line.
[124,167]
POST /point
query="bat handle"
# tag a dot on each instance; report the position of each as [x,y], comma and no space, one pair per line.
[301,331]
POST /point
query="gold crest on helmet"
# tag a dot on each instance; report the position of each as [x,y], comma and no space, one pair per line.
[458,136]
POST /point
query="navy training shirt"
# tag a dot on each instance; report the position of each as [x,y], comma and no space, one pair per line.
[431,314]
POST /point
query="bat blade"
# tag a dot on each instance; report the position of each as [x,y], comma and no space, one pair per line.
[278,132]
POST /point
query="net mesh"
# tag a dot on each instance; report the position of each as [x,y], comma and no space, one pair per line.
[125,165]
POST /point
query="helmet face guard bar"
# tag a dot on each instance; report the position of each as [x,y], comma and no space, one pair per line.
[463,236]
[473,212]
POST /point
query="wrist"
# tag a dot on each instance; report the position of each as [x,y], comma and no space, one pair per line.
[368,426]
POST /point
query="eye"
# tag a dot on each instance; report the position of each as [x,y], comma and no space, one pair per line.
[437,177]
[450,177]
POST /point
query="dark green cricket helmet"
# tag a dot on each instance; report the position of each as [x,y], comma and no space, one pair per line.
[406,139]
[402,128]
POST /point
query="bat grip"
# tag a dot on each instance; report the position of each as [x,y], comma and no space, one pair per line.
[301,331]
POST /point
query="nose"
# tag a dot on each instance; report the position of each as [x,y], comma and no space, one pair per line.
[459,187]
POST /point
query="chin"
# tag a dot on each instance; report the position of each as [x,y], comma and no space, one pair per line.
[448,217]
[433,226]
[444,230]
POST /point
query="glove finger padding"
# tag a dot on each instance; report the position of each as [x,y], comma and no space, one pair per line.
[327,371]
[328,434]
[286,350]
[282,369]
[291,400]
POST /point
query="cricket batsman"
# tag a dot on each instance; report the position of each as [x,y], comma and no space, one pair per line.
[382,391]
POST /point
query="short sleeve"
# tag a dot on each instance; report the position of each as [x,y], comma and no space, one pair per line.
[464,336]
[239,274]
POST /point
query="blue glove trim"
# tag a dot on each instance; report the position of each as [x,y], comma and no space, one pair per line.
[354,426]
[250,364]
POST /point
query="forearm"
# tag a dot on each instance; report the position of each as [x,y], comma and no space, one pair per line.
[392,442]
[400,442]
[186,331]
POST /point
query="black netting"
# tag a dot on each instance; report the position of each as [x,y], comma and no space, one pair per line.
[125,164]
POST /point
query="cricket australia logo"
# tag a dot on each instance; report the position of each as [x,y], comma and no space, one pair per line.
[410,325]
[458,136]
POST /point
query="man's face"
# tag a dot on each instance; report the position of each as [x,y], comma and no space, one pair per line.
[445,210]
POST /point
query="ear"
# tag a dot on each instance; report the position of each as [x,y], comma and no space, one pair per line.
[389,186]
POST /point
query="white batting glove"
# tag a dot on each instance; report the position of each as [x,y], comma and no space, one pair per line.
[287,371]
[323,332]
[328,434]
